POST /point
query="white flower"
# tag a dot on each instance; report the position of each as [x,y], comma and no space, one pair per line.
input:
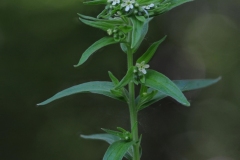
[142,67]
[114,2]
[128,4]
[148,6]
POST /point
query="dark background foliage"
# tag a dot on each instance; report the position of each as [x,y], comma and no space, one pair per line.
[41,40]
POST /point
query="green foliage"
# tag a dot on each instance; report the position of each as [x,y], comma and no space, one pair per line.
[103,23]
[97,87]
[128,24]
[109,138]
[126,79]
[94,47]
[95,2]
[139,31]
[147,56]
[183,85]
[158,81]
[113,78]
[117,150]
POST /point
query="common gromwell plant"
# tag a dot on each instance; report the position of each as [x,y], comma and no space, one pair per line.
[126,23]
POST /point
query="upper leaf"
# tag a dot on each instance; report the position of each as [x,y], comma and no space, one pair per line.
[117,150]
[147,56]
[137,31]
[166,6]
[183,85]
[97,87]
[126,79]
[94,47]
[103,24]
[163,84]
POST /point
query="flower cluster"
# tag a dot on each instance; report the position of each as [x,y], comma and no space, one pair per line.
[129,7]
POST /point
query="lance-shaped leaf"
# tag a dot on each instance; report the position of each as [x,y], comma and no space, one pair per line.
[183,85]
[97,87]
[113,78]
[95,2]
[126,79]
[117,150]
[176,3]
[147,56]
[143,30]
[138,32]
[163,84]
[94,47]
[166,6]
[103,24]
[109,138]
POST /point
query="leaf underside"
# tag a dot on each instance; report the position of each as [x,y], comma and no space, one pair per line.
[98,87]
[183,85]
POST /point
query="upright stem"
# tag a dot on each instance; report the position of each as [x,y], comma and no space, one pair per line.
[133,110]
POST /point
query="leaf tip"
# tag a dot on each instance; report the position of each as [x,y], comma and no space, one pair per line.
[187,104]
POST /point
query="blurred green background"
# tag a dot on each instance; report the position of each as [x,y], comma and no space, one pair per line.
[40,41]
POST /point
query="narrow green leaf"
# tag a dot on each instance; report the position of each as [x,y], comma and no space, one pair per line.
[167,5]
[97,24]
[117,150]
[163,84]
[187,85]
[94,47]
[95,2]
[144,31]
[137,31]
[109,138]
[176,3]
[183,85]
[126,79]
[97,87]
[147,56]
[113,78]
[115,133]
[114,21]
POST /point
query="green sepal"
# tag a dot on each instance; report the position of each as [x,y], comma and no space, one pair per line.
[98,87]
[126,79]
[125,28]
[147,56]
[163,84]
[183,85]
[94,47]
[117,150]
[95,2]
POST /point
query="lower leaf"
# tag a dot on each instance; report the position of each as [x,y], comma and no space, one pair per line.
[117,150]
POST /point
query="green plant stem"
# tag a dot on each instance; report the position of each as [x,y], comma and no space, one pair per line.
[133,110]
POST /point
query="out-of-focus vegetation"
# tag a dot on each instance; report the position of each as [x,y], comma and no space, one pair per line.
[40,41]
